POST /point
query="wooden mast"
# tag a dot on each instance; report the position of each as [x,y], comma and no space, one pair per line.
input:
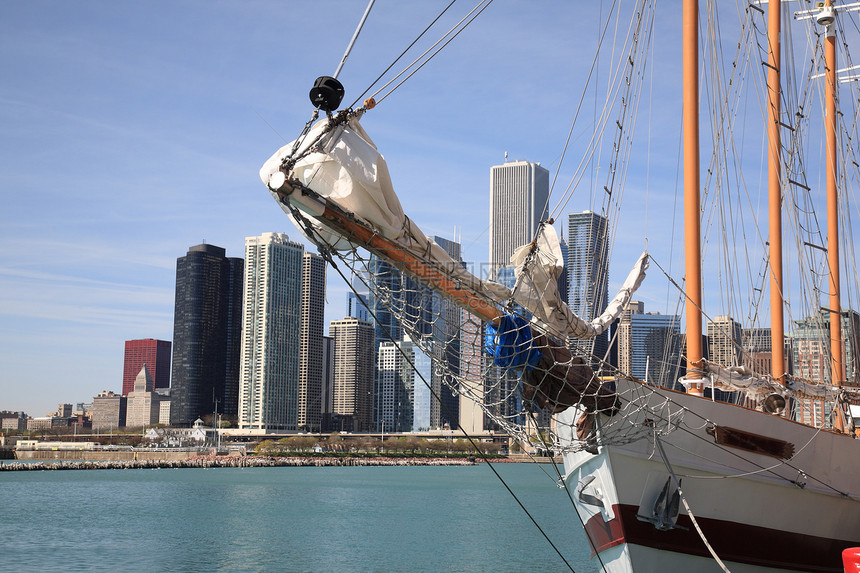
[692,210]
[836,350]
[777,327]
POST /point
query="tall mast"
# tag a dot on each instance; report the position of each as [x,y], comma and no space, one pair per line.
[777,328]
[836,352]
[692,221]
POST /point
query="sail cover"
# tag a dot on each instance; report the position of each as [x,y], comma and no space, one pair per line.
[538,267]
[339,161]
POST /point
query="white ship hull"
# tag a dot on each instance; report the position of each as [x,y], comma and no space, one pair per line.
[758,512]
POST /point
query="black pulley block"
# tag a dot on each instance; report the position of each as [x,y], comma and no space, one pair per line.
[326,93]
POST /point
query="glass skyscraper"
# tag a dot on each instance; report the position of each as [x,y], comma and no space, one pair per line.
[649,345]
[587,274]
[206,334]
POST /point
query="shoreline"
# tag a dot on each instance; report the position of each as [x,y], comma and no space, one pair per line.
[251,462]
[232,462]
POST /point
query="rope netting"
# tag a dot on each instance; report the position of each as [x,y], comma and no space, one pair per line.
[525,383]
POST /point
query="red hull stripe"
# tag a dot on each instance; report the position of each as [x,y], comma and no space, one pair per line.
[732,541]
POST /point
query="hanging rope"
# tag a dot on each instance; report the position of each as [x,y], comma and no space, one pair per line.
[692,517]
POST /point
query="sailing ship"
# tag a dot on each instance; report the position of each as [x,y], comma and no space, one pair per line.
[663,479]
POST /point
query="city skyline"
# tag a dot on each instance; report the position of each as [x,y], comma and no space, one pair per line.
[158,135]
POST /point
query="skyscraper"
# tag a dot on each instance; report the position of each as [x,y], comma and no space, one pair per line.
[155,354]
[625,335]
[587,273]
[206,334]
[757,352]
[811,359]
[445,327]
[649,345]
[724,341]
[396,381]
[519,197]
[356,306]
[353,374]
[311,342]
[327,391]
[473,379]
[519,193]
[271,330]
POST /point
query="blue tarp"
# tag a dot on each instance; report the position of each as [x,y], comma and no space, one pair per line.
[510,344]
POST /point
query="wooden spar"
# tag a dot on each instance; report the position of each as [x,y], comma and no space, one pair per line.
[777,327]
[559,380]
[836,350]
[692,224]
[391,251]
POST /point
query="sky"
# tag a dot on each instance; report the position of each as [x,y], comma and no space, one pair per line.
[132,131]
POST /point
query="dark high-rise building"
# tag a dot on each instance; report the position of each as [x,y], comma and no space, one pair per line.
[311,342]
[206,334]
[155,354]
[446,320]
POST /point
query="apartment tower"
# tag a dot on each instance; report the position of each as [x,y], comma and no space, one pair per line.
[206,334]
[271,333]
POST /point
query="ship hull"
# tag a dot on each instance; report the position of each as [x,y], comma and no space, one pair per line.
[768,494]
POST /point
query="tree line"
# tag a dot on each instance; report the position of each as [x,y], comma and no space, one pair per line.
[401,445]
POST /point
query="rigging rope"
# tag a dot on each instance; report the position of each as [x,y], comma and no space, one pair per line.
[483,4]
[326,253]
[687,505]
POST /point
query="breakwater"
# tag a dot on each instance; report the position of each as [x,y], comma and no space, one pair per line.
[232,462]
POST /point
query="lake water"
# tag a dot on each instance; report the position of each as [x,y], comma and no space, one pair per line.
[288,519]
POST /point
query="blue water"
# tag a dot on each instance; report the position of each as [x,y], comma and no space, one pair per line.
[288,519]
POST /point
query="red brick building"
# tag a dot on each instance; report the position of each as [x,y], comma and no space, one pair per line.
[155,354]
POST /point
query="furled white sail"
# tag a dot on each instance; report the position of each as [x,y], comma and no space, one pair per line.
[742,379]
[341,163]
[538,267]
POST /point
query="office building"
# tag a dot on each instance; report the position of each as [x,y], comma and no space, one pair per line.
[271,334]
[206,334]
[327,386]
[395,388]
[13,420]
[311,343]
[587,273]
[811,360]
[352,400]
[445,329]
[422,396]
[155,354]
[649,345]
[519,195]
[757,354]
[725,339]
[143,405]
[473,375]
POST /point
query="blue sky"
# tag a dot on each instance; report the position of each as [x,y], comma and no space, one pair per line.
[131,131]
